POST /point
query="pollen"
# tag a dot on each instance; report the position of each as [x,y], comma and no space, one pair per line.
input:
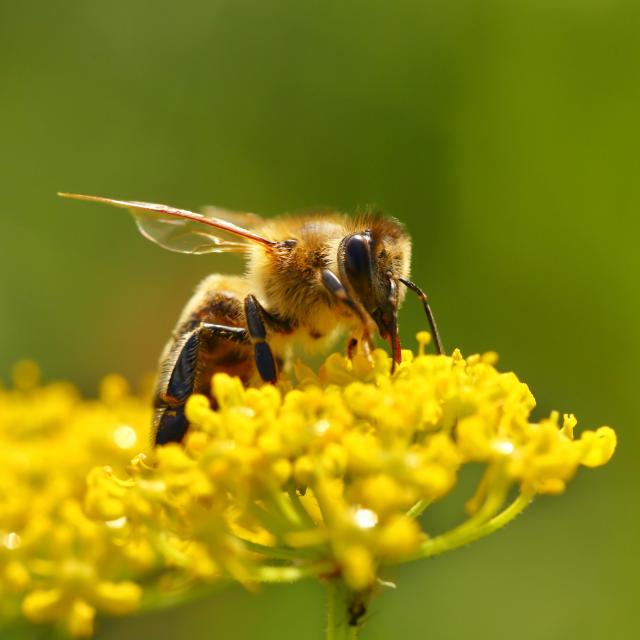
[329,473]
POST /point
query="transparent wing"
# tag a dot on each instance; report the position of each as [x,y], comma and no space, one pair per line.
[241,218]
[181,230]
[183,235]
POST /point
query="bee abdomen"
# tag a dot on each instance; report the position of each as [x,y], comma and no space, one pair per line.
[209,341]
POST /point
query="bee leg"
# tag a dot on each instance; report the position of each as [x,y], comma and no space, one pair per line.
[427,309]
[352,345]
[171,422]
[333,285]
[265,362]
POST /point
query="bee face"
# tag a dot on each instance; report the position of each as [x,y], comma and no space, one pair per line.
[370,264]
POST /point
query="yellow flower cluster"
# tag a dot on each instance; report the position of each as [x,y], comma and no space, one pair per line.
[323,478]
[57,564]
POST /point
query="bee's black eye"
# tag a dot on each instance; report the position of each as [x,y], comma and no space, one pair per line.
[289,244]
[357,260]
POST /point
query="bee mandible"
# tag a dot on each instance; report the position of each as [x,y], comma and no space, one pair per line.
[308,279]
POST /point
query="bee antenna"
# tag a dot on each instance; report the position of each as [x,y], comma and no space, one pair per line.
[394,339]
[427,309]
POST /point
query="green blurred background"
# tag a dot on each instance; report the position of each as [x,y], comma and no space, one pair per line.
[504,133]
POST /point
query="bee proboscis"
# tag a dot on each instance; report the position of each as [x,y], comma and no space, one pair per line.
[309,278]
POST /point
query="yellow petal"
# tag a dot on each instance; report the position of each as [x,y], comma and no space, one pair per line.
[44,605]
[117,598]
[80,621]
[358,568]
[599,446]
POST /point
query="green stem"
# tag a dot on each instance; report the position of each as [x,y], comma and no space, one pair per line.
[282,503]
[156,599]
[269,573]
[331,610]
[338,627]
[282,553]
[270,520]
[336,612]
[299,507]
[418,508]
[464,534]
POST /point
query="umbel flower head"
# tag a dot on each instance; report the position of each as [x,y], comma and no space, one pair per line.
[327,477]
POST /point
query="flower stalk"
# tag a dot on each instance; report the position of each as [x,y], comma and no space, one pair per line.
[342,621]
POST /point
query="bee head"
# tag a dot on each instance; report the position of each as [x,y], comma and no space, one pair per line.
[370,263]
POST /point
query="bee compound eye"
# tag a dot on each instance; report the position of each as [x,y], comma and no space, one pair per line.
[357,257]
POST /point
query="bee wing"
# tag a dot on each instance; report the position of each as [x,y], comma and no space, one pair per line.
[180,230]
[241,218]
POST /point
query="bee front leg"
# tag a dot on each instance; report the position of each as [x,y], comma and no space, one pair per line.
[170,421]
[334,286]
[265,362]
[364,342]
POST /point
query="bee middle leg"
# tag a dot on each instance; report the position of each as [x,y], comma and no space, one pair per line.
[170,421]
[255,319]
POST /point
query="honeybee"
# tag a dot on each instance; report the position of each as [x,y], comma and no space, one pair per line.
[309,278]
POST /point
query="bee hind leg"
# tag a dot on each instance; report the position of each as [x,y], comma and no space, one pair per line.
[170,421]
